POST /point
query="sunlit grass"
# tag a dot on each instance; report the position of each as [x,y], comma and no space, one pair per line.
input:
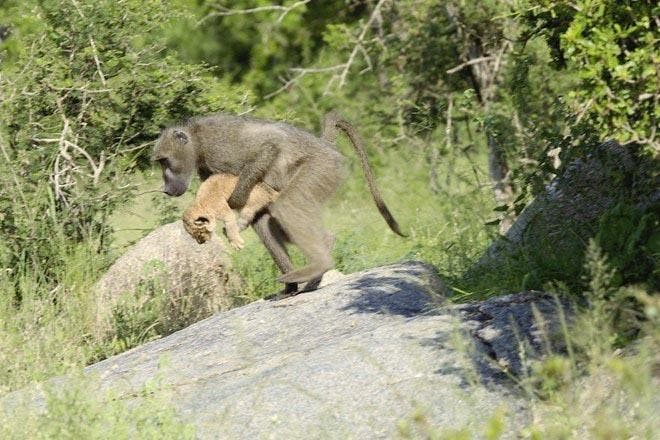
[75,408]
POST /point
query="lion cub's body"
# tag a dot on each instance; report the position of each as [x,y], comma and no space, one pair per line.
[210,205]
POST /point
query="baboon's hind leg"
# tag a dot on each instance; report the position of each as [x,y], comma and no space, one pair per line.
[298,211]
[305,231]
[273,237]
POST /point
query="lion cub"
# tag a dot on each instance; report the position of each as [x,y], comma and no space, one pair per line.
[211,204]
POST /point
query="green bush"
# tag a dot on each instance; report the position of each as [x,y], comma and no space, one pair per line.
[631,239]
[85,88]
[611,46]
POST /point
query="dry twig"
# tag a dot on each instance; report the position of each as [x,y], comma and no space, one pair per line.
[225,12]
[341,69]
[469,63]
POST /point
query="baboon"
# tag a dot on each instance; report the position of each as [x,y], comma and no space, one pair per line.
[211,205]
[305,170]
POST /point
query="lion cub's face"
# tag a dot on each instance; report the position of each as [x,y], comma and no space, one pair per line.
[200,227]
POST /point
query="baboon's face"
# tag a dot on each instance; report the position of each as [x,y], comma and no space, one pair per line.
[175,154]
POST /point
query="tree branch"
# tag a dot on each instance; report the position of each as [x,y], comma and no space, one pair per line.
[95,52]
[339,77]
[225,12]
[300,73]
[469,63]
[375,13]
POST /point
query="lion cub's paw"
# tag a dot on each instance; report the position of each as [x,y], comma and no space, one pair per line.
[237,242]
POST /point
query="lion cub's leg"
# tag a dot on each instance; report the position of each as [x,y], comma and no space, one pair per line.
[231,227]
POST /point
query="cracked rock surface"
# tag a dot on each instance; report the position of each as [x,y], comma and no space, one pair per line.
[507,326]
[358,358]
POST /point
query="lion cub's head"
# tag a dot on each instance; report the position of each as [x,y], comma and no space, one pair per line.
[199,225]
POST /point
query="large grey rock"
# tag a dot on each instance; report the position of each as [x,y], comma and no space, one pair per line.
[583,192]
[355,359]
[167,260]
[552,231]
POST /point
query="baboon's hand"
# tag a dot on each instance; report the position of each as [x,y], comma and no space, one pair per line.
[238,199]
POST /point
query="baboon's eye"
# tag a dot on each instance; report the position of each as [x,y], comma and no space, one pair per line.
[199,221]
[181,136]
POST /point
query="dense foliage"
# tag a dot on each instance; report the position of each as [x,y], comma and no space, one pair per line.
[84,95]
[612,47]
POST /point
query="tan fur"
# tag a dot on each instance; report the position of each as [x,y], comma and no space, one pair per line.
[210,205]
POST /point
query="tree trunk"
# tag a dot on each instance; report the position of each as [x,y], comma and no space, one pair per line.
[484,69]
[498,171]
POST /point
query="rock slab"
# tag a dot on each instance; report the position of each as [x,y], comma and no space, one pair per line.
[363,357]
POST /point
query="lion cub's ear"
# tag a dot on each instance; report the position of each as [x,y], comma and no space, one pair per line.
[205,223]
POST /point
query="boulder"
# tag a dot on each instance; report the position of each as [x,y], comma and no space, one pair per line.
[167,262]
[551,233]
[370,355]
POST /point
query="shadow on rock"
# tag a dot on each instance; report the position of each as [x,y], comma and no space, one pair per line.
[390,295]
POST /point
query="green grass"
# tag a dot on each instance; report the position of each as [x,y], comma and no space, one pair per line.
[599,391]
[595,389]
[77,410]
[50,331]
[147,210]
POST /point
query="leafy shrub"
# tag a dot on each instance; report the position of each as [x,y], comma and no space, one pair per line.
[611,47]
[84,88]
[631,239]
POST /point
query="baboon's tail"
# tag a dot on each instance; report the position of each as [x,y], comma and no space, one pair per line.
[331,123]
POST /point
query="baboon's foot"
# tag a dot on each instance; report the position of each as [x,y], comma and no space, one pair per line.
[290,289]
[312,284]
[305,274]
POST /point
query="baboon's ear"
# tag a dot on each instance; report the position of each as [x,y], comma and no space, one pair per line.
[181,136]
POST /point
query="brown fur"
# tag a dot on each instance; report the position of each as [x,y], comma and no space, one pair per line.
[210,205]
[305,169]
